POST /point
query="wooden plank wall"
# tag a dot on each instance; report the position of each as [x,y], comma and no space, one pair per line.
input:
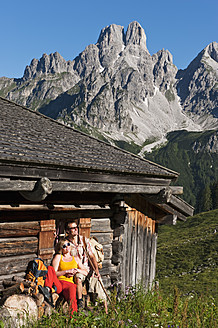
[18,245]
[139,250]
[101,229]
[22,241]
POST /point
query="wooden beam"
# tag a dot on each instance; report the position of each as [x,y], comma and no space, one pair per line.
[19,229]
[181,205]
[17,185]
[44,187]
[173,211]
[111,188]
[18,246]
[172,205]
[41,190]
[141,204]
[36,172]
[163,197]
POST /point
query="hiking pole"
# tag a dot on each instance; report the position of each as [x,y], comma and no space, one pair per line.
[93,267]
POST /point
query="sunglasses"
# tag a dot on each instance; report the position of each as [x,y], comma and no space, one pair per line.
[73,228]
[65,245]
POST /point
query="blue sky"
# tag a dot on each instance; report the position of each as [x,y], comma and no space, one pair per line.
[31,28]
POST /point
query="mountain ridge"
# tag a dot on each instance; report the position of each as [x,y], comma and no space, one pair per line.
[116,90]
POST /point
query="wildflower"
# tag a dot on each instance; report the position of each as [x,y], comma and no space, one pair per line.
[129,320]
[120,322]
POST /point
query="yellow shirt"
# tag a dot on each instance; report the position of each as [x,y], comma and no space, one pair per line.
[67,266]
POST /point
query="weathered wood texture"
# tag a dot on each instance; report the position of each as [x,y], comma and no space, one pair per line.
[18,246]
[23,241]
[11,266]
[85,227]
[142,205]
[21,229]
[101,229]
[138,250]
[22,310]
[46,239]
[73,175]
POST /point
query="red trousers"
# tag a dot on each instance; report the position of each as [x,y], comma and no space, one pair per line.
[67,288]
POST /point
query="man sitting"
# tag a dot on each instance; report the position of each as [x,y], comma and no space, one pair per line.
[77,244]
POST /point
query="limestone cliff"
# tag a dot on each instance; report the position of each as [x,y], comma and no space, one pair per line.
[115,89]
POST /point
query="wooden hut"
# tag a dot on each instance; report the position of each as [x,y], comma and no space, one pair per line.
[51,173]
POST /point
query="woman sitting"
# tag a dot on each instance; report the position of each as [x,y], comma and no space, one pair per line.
[61,273]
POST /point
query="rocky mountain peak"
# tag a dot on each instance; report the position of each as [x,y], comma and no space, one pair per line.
[164,70]
[117,88]
[197,87]
[110,44]
[48,64]
[136,35]
[111,35]
[212,50]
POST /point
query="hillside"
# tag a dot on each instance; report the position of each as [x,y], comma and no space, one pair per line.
[195,156]
[187,255]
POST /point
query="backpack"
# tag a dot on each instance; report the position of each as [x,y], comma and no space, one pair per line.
[97,250]
[36,271]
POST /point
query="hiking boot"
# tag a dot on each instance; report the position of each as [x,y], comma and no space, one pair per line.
[46,292]
[80,304]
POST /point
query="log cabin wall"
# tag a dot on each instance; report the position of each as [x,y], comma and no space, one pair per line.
[22,241]
[18,245]
[128,238]
[101,229]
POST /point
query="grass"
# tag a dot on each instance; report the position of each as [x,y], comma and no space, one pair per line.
[187,255]
[135,308]
[187,295]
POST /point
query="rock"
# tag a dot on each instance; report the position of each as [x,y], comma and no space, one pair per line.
[22,309]
[110,44]
[136,35]
[6,318]
[197,87]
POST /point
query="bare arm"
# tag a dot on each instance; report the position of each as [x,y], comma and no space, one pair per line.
[95,264]
[55,264]
[81,267]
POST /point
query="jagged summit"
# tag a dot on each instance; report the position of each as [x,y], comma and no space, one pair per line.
[212,50]
[115,89]
[47,64]
[136,35]
[111,42]
[114,34]
[197,87]
[111,35]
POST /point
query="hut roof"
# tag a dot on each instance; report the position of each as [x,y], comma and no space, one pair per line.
[27,136]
